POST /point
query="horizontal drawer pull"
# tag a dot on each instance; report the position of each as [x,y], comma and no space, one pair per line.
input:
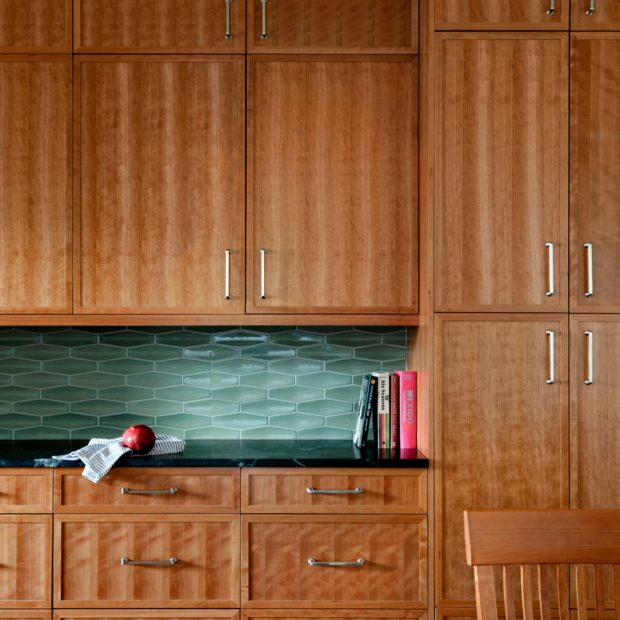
[357,563]
[169,562]
[355,491]
[170,491]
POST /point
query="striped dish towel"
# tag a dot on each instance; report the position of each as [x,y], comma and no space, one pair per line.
[100,454]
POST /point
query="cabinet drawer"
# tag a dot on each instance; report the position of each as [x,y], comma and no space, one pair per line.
[123,614]
[90,550]
[149,490]
[277,572]
[25,615]
[323,490]
[25,561]
[159,26]
[25,490]
[306,614]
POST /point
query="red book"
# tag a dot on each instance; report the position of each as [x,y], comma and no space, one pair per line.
[408,401]
[394,409]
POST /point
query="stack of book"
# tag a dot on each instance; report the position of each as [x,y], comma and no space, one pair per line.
[390,401]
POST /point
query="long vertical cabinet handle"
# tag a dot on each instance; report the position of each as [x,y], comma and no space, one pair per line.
[590,357]
[590,9]
[551,9]
[227,254]
[551,341]
[550,269]
[263,34]
[228,34]
[263,294]
[589,270]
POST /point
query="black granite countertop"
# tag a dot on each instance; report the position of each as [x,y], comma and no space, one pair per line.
[202,453]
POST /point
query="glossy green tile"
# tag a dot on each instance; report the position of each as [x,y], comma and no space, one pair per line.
[380,353]
[184,421]
[100,406]
[240,338]
[398,338]
[268,380]
[98,352]
[156,352]
[13,421]
[345,421]
[326,352]
[42,407]
[155,329]
[211,380]
[6,352]
[211,407]
[240,394]
[6,407]
[184,339]
[97,380]
[324,432]
[269,352]
[70,338]
[182,366]
[122,420]
[126,366]
[18,338]
[325,407]
[240,366]
[297,338]
[182,393]
[14,366]
[239,421]
[69,366]
[297,393]
[42,432]
[69,421]
[211,432]
[42,352]
[269,407]
[14,393]
[394,365]
[349,393]
[40,380]
[296,366]
[127,338]
[352,366]
[69,393]
[6,434]
[267,432]
[6,380]
[210,352]
[353,338]
[323,380]
[155,407]
[154,380]
[297,421]
[100,432]
[126,393]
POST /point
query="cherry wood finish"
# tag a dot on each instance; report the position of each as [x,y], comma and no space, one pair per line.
[307,614]
[501,186]
[606,15]
[35,184]
[35,26]
[143,614]
[25,615]
[334,26]
[595,157]
[285,491]
[159,184]
[198,490]
[276,549]
[88,551]
[25,490]
[501,15]
[181,26]
[332,185]
[494,410]
[25,561]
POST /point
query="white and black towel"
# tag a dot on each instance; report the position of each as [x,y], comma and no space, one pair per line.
[100,454]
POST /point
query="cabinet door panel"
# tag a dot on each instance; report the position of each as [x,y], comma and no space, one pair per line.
[160,184]
[501,188]
[605,16]
[341,614]
[110,614]
[501,14]
[35,184]
[333,185]
[502,430]
[595,181]
[25,490]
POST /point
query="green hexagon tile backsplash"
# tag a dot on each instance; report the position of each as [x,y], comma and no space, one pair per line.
[195,382]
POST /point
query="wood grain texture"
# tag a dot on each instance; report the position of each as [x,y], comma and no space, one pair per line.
[180,26]
[143,614]
[501,183]
[500,15]
[25,561]
[595,159]
[88,550]
[492,406]
[606,15]
[334,26]
[307,614]
[25,490]
[276,550]
[25,615]
[284,491]
[332,184]
[35,184]
[35,26]
[198,490]
[159,184]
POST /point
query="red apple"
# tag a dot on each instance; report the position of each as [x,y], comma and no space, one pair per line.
[139,437]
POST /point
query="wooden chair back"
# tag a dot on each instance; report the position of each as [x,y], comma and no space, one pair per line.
[541,544]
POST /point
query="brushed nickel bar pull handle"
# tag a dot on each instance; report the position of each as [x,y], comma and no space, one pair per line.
[551,288]
[228,32]
[355,491]
[263,34]
[359,562]
[551,337]
[551,9]
[590,9]
[170,491]
[590,366]
[589,270]
[263,294]
[169,562]
[227,254]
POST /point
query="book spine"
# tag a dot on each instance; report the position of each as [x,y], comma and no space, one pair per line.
[394,411]
[361,412]
[383,410]
[371,402]
[408,409]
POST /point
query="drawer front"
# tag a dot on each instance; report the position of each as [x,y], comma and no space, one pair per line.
[340,614]
[25,562]
[25,615]
[324,491]
[25,490]
[89,571]
[113,614]
[277,572]
[149,490]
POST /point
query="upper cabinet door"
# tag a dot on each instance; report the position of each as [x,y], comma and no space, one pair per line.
[501,184]
[332,185]
[333,26]
[35,184]
[35,26]
[595,15]
[184,26]
[159,224]
[501,14]
[595,182]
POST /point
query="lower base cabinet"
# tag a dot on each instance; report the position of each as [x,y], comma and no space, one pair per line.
[296,614]
[123,614]
[25,615]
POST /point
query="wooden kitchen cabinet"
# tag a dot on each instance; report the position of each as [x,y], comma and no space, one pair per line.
[180,26]
[501,183]
[332,185]
[501,427]
[311,26]
[502,14]
[595,15]
[324,614]
[151,614]
[595,185]
[25,490]
[25,615]
[159,147]
[35,184]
